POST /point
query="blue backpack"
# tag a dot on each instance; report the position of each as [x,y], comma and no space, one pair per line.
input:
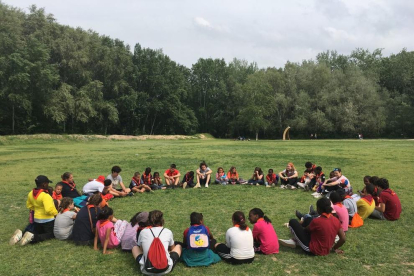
[198,238]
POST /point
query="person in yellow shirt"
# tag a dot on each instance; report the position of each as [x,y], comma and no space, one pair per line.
[366,204]
[41,202]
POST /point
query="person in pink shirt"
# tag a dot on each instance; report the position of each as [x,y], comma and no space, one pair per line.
[341,211]
[109,234]
[264,235]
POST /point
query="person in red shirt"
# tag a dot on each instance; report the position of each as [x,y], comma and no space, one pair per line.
[172,176]
[389,203]
[318,237]
[271,178]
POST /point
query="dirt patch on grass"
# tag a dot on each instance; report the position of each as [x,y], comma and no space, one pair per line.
[81,137]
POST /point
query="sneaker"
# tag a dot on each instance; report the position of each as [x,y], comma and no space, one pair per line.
[289,243]
[206,186]
[298,214]
[197,186]
[306,188]
[318,196]
[27,237]
[268,186]
[131,193]
[273,184]
[289,187]
[257,184]
[184,185]
[301,185]
[17,236]
[311,210]
[293,188]
[314,194]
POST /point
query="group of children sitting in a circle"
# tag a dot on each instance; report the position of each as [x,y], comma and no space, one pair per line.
[54,215]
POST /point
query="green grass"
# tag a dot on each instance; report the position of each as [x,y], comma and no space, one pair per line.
[378,248]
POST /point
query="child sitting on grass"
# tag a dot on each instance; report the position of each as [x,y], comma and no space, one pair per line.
[196,241]
[366,205]
[157,182]
[238,248]
[233,176]
[264,235]
[271,178]
[65,220]
[221,177]
[318,237]
[136,224]
[188,180]
[340,210]
[257,177]
[57,193]
[40,201]
[389,203]
[109,230]
[137,186]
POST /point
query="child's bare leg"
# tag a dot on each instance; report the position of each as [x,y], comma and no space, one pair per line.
[136,251]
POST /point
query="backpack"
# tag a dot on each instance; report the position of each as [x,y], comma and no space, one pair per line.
[356,221]
[156,261]
[198,238]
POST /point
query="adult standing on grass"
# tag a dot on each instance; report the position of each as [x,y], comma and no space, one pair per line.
[318,237]
[172,176]
[117,183]
[40,201]
[68,186]
[289,177]
[389,203]
[203,175]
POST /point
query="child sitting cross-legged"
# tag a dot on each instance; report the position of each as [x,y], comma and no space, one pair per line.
[109,230]
[137,185]
[271,178]
[221,177]
[196,243]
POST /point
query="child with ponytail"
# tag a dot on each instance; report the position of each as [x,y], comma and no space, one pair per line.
[264,235]
[65,219]
[239,242]
[109,230]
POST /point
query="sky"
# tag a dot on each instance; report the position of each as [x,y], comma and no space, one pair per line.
[268,32]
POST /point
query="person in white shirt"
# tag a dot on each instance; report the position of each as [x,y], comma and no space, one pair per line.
[239,242]
[118,187]
[140,252]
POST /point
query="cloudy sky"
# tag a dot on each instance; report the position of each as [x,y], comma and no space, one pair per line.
[269,32]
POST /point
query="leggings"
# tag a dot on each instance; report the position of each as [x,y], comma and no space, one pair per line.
[301,236]
[290,181]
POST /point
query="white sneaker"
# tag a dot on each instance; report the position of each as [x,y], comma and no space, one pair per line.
[206,186]
[17,236]
[197,186]
[314,194]
[293,188]
[289,243]
[184,185]
[282,187]
[301,185]
[27,237]
[318,196]
[336,238]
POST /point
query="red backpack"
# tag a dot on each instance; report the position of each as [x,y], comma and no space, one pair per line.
[156,261]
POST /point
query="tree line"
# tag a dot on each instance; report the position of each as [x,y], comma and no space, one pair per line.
[59,79]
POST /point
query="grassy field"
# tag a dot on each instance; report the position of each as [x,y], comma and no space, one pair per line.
[378,248]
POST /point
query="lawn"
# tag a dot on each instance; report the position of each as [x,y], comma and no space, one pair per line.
[378,248]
